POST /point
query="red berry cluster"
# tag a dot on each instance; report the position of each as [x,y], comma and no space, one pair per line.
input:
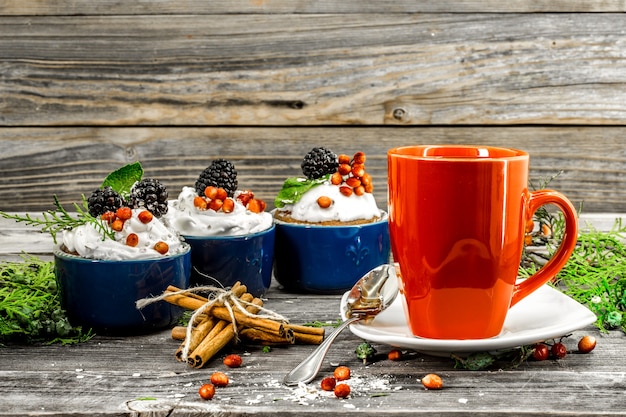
[558,350]
[116,221]
[216,198]
[351,178]
[329,383]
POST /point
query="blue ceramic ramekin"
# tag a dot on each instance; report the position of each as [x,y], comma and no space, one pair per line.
[101,294]
[224,260]
[328,259]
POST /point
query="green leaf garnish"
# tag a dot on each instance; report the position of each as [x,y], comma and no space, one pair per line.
[294,188]
[121,180]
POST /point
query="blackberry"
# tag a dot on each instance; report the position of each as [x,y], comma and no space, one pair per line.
[319,162]
[221,173]
[103,200]
[149,194]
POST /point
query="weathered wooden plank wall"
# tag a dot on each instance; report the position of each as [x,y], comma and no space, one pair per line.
[86,86]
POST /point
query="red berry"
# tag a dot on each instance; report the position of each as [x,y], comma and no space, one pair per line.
[200,203]
[228,206]
[345,190]
[558,350]
[359,158]
[108,217]
[221,194]
[210,192]
[117,225]
[541,352]
[328,383]
[343,159]
[344,169]
[207,391]
[586,344]
[342,390]
[336,178]
[358,170]
[233,361]
[394,355]
[245,197]
[324,201]
[216,204]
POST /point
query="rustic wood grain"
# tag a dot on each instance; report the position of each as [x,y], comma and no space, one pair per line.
[110,7]
[255,69]
[37,163]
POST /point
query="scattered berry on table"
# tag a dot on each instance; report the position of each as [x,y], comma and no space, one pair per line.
[342,390]
[394,355]
[318,162]
[221,173]
[541,352]
[432,381]
[207,391]
[151,195]
[328,383]
[233,361]
[341,373]
[586,344]
[219,379]
[558,350]
[103,200]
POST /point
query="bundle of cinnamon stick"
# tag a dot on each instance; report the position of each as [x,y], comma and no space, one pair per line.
[213,329]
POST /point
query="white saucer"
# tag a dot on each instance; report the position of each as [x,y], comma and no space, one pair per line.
[545,314]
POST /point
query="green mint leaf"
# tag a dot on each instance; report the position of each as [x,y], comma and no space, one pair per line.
[121,180]
[294,188]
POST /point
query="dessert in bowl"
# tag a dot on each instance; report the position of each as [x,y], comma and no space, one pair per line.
[114,250]
[329,230]
[230,233]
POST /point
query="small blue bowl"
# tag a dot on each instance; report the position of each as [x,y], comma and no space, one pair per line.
[328,259]
[224,260]
[101,294]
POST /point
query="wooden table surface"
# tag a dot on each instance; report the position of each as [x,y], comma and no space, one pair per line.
[140,376]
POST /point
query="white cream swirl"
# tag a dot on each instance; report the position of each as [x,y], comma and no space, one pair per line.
[343,209]
[88,242]
[188,220]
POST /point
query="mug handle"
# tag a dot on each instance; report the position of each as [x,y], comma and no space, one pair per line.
[567,246]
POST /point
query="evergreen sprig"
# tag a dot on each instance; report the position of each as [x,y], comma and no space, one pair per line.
[55,221]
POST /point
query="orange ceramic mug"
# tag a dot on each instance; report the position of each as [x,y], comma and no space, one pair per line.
[457,217]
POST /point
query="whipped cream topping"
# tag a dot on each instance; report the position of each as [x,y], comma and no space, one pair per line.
[188,220]
[343,209]
[88,242]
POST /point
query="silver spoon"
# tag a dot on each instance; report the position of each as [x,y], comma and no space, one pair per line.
[369,296]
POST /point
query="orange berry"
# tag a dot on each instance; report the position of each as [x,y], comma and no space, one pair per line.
[216,204]
[256,206]
[161,247]
[219,379]
[366,179]
[336,178]
[210,192]
[124,213]
[344,169]
[360,190]
[341,373]
[200,203]
[117,225]
[530,226]
[132,240]
[233,361]
[108,217]
[342,390]
[328,383]
[145,216]
[528,240]
[586,344]
[546,231]
[207,391]
[394,355]
[324,201]
[345,190]
[358,170]
[369,188]
[359,158]
[343,159]
[432,381]
[221,194]
[228,206]
[353,182]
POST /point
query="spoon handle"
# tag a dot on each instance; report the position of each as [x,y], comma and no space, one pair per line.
[308,368]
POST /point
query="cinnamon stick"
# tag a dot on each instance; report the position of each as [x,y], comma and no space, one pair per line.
[222,313]
[213,343]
